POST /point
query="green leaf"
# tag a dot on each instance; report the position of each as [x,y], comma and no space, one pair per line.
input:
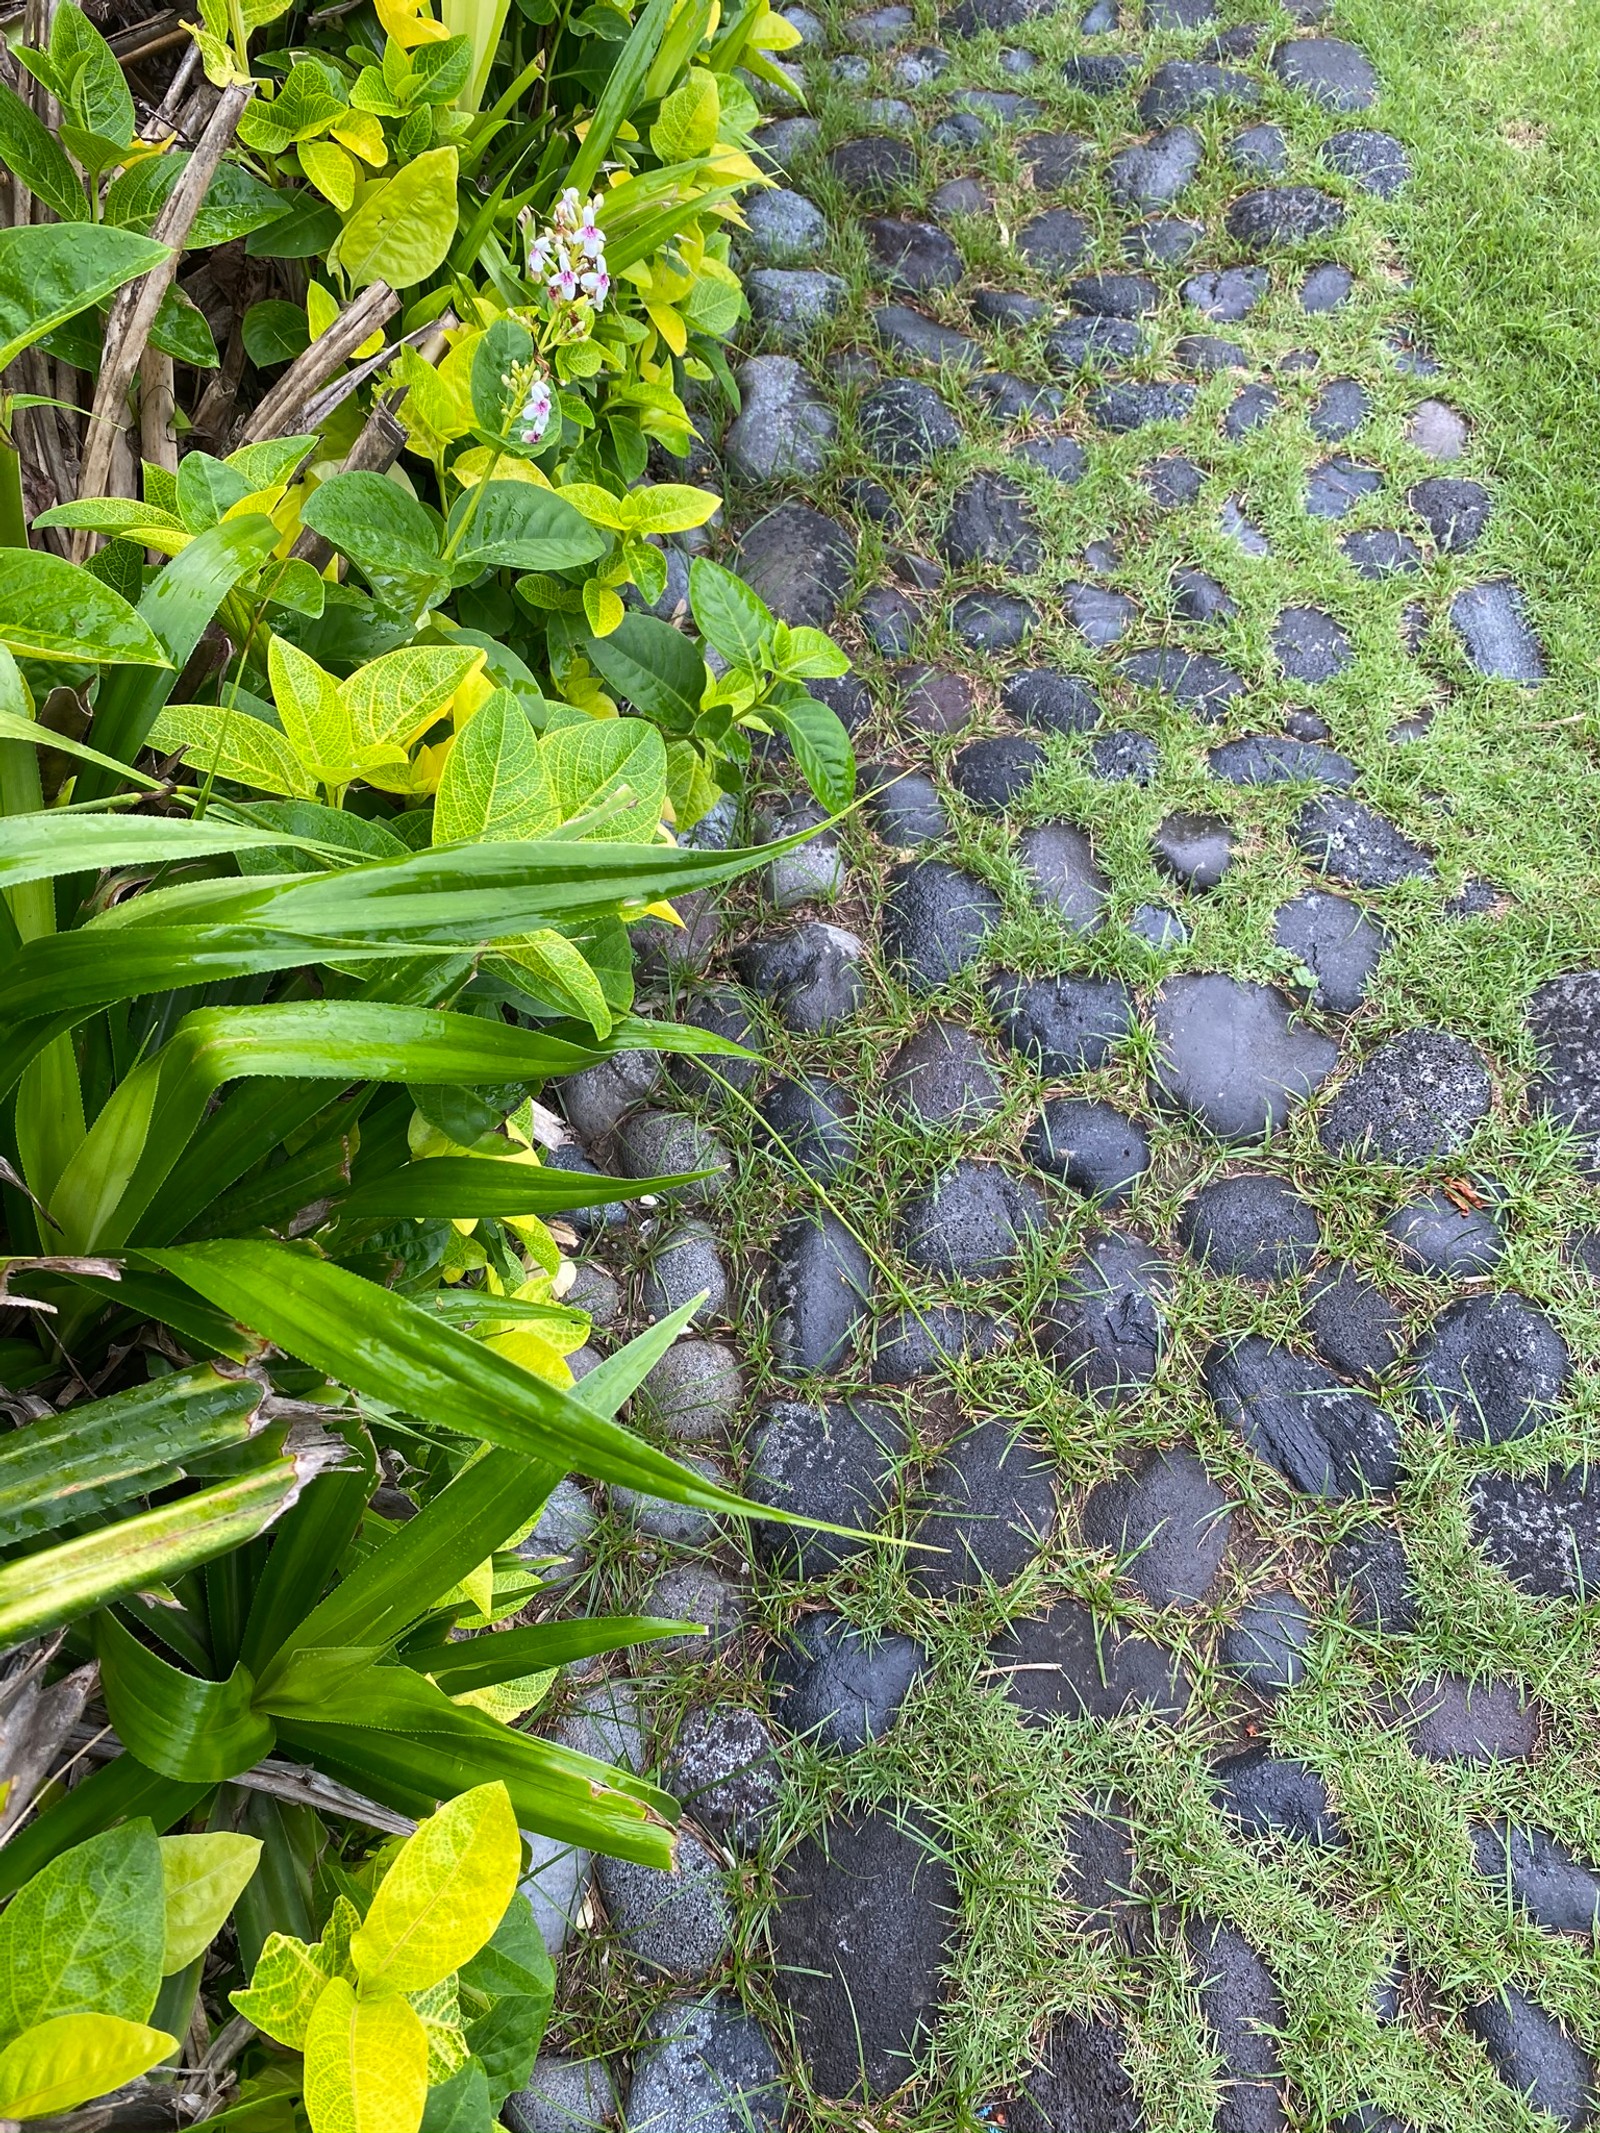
[81,71]
[687,126]
[403,228]
[207,489]
[513,1962]
[394,699]
[180,331]
[275,331]
[506,1655]
[506,2040]
[732,618]
[379,527]
[50,609]
[494,782]
[72,2059]
[309,101]
[366,2063]
[86,1934]
[196,1731]
[49,272]
[552,969]
[520,526]
[41,847]
[284,1989]
[463,1185]
[621,92]
[232,744]
[654,666]
[506,344]
[236,202]
[203,1877]
[39,160]
[461,2104]
[615,768]
[821,746]
[445,1892]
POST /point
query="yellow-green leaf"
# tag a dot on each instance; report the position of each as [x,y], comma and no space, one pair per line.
[288,1980]
[403,228]
[669,507]
[201,1877]
[561,973]
[443,1896]
[332,171]
[234,745]
[687,125]
[618,764]
[439,2011]
[602,607]
[397,697]
[313,712]
[73,2058]
[366,2063]
[494,783]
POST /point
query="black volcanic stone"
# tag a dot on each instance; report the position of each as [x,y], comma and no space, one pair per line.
[1355,844]
[1280,759]
[877,167]
[1338,485]
[1381,552]
[902,805]
[1055,159]
[1181,86]
[1310,645]
[1162,240]
[1207,353]
[924,1342]
[1326,287]
[1102,1328]
[1368,2118]
[1551,1883]
[800,562]
[1542,1530]
[1092,343]
[1370,1568]
[1227,293]
[933,700]
[1269,1794]
[1536,2057]
[1060,860]
[1232,1054]
[910,333]
[1376,161]
[1100,1878]
[838,1685]
[1495,633]
[815,1120]
[1204,684]
[1132,406]
[1062,458]
[905,424]
[1064,1025]
[991,1506]
[1338,411]
[1455,512]
[1007,307]
[1449,1719]
[990,524]
[1335,940]
[1197,597]
[1416,1098]
[1055,241]
[1260,152]
[721,1768]
[1242,2009]
[1456,1243]
[1103,616]
[820,1280]
[971,1223]
[942,1074]
[889,619]
[992,621]
[862,1933]
[912,257]
[834,1463]
[1114,295]
[1564,1022]
[1166,1523]
[1353,1325]
[812,975]
[1332,73]
[1493,1368]
[1251,406]
[1322,1436]
[1276,215]
[1066,1663]
[1009,398]
[936,920]
[1265,1647]
[1098,73]
[1091,1146]
[1173,481]
[1156,172]
[724,1012]
[1194,849]
[992,772]
[1122,757]
[1254,1225]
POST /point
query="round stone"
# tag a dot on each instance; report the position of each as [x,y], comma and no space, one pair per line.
[694,1391]
[816,1121]
[1564,1023]
[1416,1098]
[1066,1662]
[1196,850]
[812,975]
[562,2094]
[559,1542]
[1125,758]
[1060,703]
[1180,86]
[1274,1795]
[1375,161]
[788,304]
[1542,1529]
[992,772]
[679,1525]
[819,1278]
[942,1074]
[676,1920]
[785,229]
[555,1883]
[1353,1324]
[906,424]
[1310,646]
[992,621]
[1055,241]
[1338,411]
[1370,1569]
[1355,844]
[1066,877]
[1265,1647]
[840,1687]
[1166,1524]
[913,258]
[1260,152]
[694,1592]
[1326,287]
[1090,1145]
[876,167]
[1102,1328]
[722,1769]
[704,2067]
[1275,215]
[1244,2012]
[1337,485]
[1493,1369]
[685,1266]
[836,1464]
[1255,1226]
[1440,1237]
[1331,72]
[1232,1055]
[1063,1025]
[989,1506]
[652,1144]
[1321,1435]
[972,1223]
[936,921]
[1335,942]
[1156,172]
[1455,512]
[903,805]
[1449,1719]
[1556,1888]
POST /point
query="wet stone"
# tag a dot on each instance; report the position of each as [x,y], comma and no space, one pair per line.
[721,1768]
[785,142]
[1066,879]
[1157,926]
[1055,241]
[906,424]
[1180,86]
[1233,1056]
[1376,161]
[1167,1525]
[861,1934]
[916,69]
[556,1884]
[1455,512]
[1007,307]
[1564,1022]
[1114,295]
[1381,552]
[1242,2009]
[1276,215]
[959,129]
[1321,1435]
[1326,287]
[1495,633]
[800,562]
[1196,850]
[599,1097]
[684,1262]
[1355,844]
[920,339]
[1173,481]
[1080,2085]
[1338,411]
[934,701]
[936,921]
[1099,73]
[1353,1325]
[990,524]
[1252,405]
[903,806]
[788,303]
[913,257]
[890,620]
[1100,1878]
[1055,159]
[1310,646]
[1208,353]
[678,1920]
[1202,683]
[957,196]
[1493,1369]
[840,1687]
[816,1121]
[1555,1887]
[678,1525]
[971,1223]
[695,1390]
[1274,759]
[876,167]
[1091,1146]
[942,1074]
[1197,597]
[1542,1530]
[989,1505]
[992,621]
[1130,407]
[1438,1237]
[1265,1647]
[1260,152]
[1536,2057]
[1332,73]
[1274,1795]
[1010,399]
[998,107]
[924,1342]
[725,1012]
[1437,430]
[834,1463]
[820,1280]
[1416,1098]
[1226,294]
[1099,614]
[1066,1663]
[563,2095]
[694,1592]
[812,976]
[1124,757]
[1064,1025]
[704,2068]
[1451,1720]
[1094,343]
[653,1144]
[1102,1328]
[785,228]
[1255,1226]
[1370,1571]
[1164,240]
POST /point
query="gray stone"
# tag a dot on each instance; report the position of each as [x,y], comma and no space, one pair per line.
[912,257]
[1332,73]
[799,561]
[1448,1719]
[835,1684]
[1353,1324]
[1060,703]
[958,196]
[1063,1025]
[1066,1662]
[788,304]
[1542,1530]
[1555,1887]
[785,228]
[1254,1225]
[990,524]
[1495,633]
[1099,614]
[1181,86]
[1066,878]
[1281,759]
[1163,240]
[1376,161]
[1326,287]
[1132,406]
[559,1542]
[555,1883]
[883,27]
[815,1121]
[1007,307]
[694,1592]
[1416,1098]
[877,167]
[563,2096]
[1099,73]
[1370,1569]
[1114,295]
[1493,1369]
[812,976]
[973,1221]
[1535,2056]
[932,700]
[705,2067]
[1243,2010]
[1208,353]
[694,1391]
[1382,552]
[1173,481]
[721,1768]
[909,333]
[1196,850]
[905,424]
[1102,1328]
[1437,430]
[601,1096]
[940,1075]
[1338,411]
[925,1340]
[813,872]
[1260,152]
[1101,1877]
[1233,1056]
[1455,512]
[1265,1647]
[1158,926]
[1091,1146]
[1310,646]
[834,1463]
[903,806]
[785,142]
[1055,241]
[1355,844]
[1455,1243]
[936,921]
[1564,1022]
[726,1013]
[1275,215]
[1322,1436]
[1055,159]
[652,1144]
[1226,294]
[1156,172]
[783,427]
[1094,343]
[1269,1794]
[916,69]
[1205,685]
[1166,1524]
[677,1921]
[889,620]
[595,1291]
[820,1280]
[990,1506]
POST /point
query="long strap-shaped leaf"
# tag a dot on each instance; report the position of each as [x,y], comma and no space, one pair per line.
[508,1654]
[40,847]
[199,1732]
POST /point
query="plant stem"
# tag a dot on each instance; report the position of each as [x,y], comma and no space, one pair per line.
[13,515]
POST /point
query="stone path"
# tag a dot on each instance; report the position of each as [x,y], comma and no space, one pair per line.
[1106,1213]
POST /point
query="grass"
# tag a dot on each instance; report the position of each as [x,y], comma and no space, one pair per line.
[1492,260]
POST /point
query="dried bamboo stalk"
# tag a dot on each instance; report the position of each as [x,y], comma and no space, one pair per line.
[158,400]
[281,412]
